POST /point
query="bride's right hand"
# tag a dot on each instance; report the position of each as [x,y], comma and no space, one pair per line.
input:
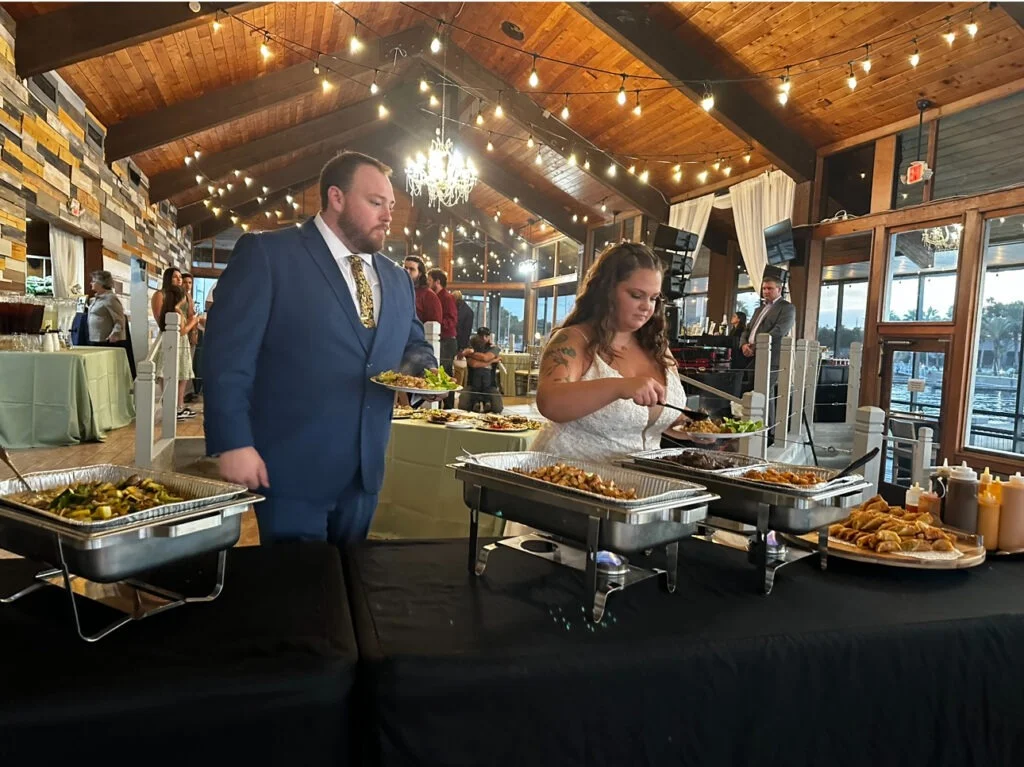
[643,390]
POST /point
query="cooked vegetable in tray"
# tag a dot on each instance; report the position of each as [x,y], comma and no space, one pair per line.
[573,476]
[98,501]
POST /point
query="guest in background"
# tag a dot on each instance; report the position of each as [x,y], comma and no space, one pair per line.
[776,317]
[438,282]
[188,284]
[737,323]
[428,307]
[172,276]
[174,301]
[106,313]
[464,320]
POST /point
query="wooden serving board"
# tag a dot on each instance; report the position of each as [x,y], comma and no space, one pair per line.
[972,556]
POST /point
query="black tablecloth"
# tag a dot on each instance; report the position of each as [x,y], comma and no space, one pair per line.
[264,672]
[859,665]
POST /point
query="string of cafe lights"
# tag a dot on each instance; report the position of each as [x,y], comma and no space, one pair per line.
[722,160]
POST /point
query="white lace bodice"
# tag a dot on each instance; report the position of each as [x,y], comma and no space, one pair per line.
[614,431]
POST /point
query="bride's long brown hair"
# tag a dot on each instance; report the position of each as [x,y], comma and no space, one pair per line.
[595,305]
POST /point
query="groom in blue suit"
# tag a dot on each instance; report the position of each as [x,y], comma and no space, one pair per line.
[303,317]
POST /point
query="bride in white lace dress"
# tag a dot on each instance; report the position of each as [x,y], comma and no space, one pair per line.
[606,370]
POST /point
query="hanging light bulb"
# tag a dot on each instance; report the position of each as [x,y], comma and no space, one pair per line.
[325,85]
[915,57]
[490,144]
[645,175]
[727,170]
[433,100]
[677,175]
[708,101]
[265,49]
[632,169]
[230,186]
[374,88]
[586,219]
[424,86]
[266,189]
[851,81]
[746,158]
[612,170]
[295,205]
[260,200]
[637,109]
[245,227]
[498,111]
[289,199]
[199,178]
[248,181]
[316,66]
[538,160]
[972,26]
[216,25]
[572,158]
[435,44]
[621,98]
[586,162]
[188,159]
[530,142]
[211,189]
[866,63]
[196,154]
[785,86]
[354,43]
[949,35]
[716,165]
[234,219]
[206,203]
[479,117]
[565,108]
[238,173]
[382,111]
[604,206]
[703,176]
[534,80]
[575,218]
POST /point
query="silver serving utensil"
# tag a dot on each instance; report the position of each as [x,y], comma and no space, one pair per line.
[6,458]
[693,415]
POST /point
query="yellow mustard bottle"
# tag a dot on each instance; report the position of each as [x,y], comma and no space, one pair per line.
[988,518]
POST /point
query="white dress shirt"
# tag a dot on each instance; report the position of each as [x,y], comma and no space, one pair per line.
[752,336]
[340,253]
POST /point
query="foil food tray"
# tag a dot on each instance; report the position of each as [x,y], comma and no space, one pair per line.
[650,489]
[736,460]
[825,477]
[197,492]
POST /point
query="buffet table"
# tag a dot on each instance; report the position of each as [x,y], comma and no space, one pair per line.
[63,398]
[261,675]
[857,665]
[421,497]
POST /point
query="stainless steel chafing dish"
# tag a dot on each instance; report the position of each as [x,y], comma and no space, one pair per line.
[117,550]
[767,507]
[577,525]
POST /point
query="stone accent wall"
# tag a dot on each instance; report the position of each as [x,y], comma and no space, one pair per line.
[51,165]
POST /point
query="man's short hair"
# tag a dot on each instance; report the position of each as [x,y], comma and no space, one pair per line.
[457,295]
[187,275]
[339,172]
[440,276]
[104,278]
[483,331]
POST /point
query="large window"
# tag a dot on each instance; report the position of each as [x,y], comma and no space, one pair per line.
[848,181]
[841,314]
[996,420]
[565,301]
[568,257]
[545,256]
[544,304]
[922,275]
[39,276]
[201,288]
[510,325]
[747,299]
[695,301]
[478,303]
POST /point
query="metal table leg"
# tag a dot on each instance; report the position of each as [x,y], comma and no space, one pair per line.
[474,536]
[595,599]
[671,566]
[823,548]
[35,586]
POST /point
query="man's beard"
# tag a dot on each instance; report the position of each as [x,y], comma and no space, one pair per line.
[362,242]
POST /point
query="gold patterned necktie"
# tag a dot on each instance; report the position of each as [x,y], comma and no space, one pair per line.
[364,292]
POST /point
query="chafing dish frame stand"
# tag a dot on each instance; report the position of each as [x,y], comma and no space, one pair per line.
[598,585]
[61,577]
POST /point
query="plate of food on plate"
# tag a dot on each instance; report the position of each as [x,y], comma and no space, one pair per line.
[713,429]
[508,423]
[403,412]
[429,384]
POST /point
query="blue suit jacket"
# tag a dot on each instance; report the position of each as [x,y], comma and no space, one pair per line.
[286,367]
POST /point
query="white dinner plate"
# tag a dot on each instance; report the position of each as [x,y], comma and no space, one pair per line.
[422,392]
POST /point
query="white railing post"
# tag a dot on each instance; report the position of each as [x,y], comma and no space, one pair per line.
[763,365]
[853,385]
[755,409]
[867,435]
[169,372]
[922,457]
[145,405]
[432,332]
[787,376]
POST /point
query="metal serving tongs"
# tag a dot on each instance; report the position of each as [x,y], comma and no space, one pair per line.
[693,415]
[6,458]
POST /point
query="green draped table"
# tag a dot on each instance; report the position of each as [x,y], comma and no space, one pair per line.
[421,497]
[63,398]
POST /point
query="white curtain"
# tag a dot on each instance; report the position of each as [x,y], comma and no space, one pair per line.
[757,204]
[692,216]
[67,252]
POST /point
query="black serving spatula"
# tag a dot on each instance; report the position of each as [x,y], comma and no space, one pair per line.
[856,464]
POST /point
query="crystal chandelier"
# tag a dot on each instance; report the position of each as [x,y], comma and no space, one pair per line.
[942,237]
[443,173]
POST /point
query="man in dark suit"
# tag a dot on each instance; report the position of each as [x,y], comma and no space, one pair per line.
[776,317]
[303,318]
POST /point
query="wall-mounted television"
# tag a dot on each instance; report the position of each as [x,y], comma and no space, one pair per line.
[778,240]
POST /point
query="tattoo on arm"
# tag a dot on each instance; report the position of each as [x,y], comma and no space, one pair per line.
[557,355]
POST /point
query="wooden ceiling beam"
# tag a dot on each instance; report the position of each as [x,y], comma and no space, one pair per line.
[467,72]
[86,30]
[343,124]
[160,126]
[421,126]
[674,58]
